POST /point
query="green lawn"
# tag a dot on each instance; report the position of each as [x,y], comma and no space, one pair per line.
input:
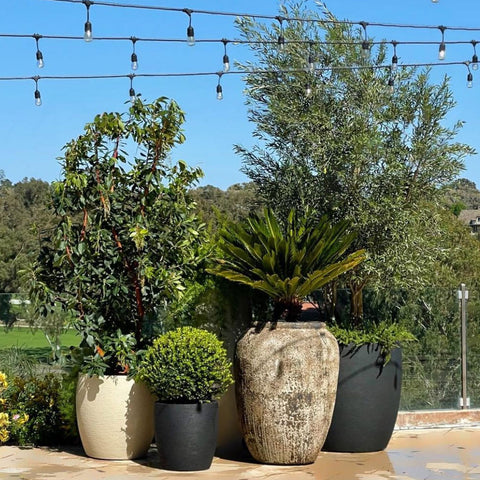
[34,342]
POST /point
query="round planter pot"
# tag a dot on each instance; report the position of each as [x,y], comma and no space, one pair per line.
[368,398]
[286,379]
[114,416]
[186,435]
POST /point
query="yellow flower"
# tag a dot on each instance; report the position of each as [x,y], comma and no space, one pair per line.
[3,380]
[4,421]
[3,435]
[24,419]
[3,402]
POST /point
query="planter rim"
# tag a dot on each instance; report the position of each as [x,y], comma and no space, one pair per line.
[289,325]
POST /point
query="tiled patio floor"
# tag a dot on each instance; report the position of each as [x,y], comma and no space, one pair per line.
[442,453]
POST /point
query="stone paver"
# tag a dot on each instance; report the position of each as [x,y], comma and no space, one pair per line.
[435,454]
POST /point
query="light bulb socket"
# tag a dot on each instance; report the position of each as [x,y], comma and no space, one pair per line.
[394,62]
[281,41]
[219,92]
[469,80]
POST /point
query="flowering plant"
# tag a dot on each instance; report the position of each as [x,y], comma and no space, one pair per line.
[7,424]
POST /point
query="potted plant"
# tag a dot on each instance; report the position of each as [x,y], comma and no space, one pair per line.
[126,241]
[286,370]
[187,370]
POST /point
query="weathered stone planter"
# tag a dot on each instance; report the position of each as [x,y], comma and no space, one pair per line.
[286,380]
[115,417]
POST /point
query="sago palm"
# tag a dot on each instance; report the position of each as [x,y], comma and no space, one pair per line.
[287,262]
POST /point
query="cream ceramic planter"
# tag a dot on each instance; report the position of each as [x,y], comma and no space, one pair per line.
[115,417]
[286,381]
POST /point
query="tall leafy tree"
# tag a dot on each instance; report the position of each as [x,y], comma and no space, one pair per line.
[338,140]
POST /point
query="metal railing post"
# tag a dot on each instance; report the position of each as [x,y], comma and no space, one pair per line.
[464,401]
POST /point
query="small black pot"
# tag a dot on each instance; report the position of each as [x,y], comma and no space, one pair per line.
[367,402]
[186,435]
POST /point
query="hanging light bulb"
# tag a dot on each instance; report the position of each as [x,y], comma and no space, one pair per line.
[226,60]
[40,62]
[134,58]
[394,57]
[219,87]
[88,36]
[281,38]
[434,1]
[37,96]
[442,47]
[474,56]
[365,43]
[308,90]
[39,55]
[469,80]
[131,92]
[391,84]
[190,30]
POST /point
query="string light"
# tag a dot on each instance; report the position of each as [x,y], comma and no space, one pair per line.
[87,36]
[365,43]
[434,1]
[219,87]
[311,60]
[190,30]
[131,93]
[391,84]
[394,57]
[37,96]
[39,55]
[469,76]
[474,56]
[308,90]
[134,58]
[442,47]
[226,60]
[281,38]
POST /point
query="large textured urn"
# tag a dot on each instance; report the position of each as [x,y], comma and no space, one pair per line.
[286,379]
[115,417]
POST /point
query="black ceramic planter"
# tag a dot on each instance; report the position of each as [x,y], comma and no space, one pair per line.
[186,435]
[368,398]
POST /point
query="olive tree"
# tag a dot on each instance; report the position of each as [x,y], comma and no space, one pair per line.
[333,136]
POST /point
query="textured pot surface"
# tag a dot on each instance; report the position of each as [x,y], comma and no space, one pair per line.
[186,435]
[114,416]
[286,380]
[368,398]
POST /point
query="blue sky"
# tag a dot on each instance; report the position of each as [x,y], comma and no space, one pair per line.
[31,138]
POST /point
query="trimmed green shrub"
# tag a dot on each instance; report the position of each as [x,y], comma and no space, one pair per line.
[187,365]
